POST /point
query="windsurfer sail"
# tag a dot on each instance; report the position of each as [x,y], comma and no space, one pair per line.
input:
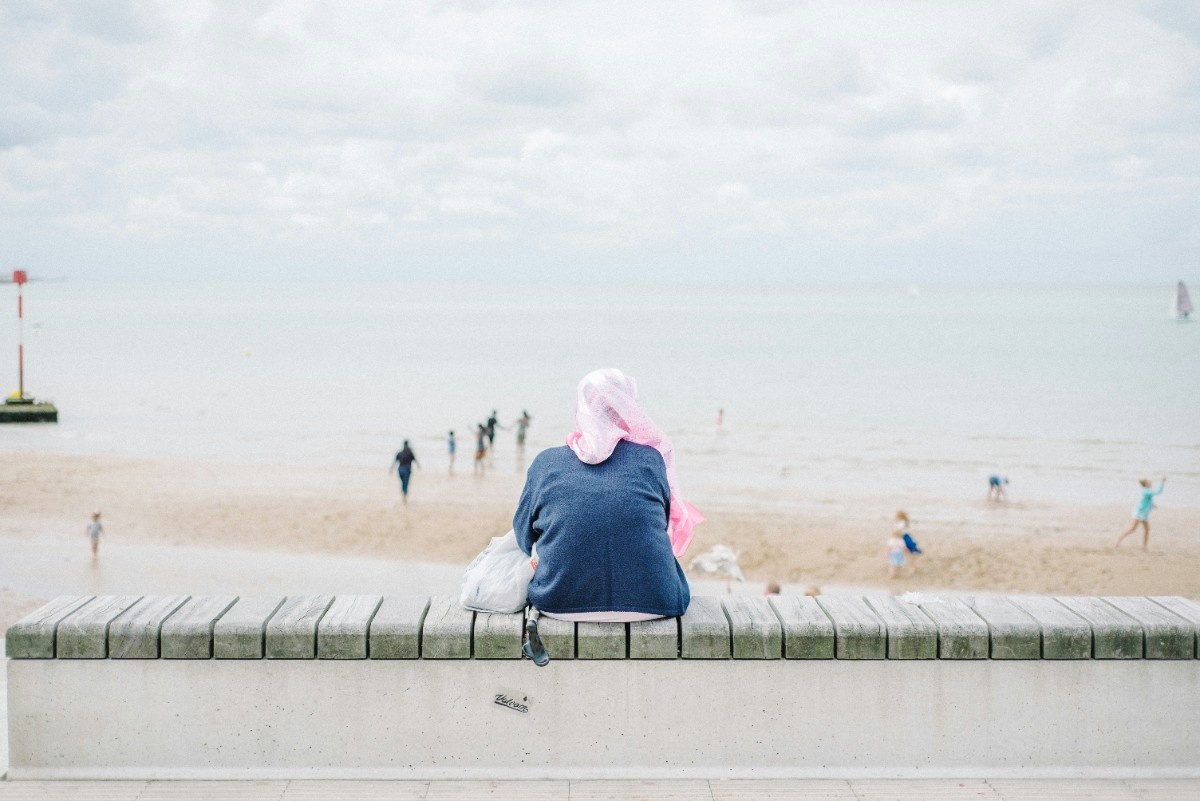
[1183,302]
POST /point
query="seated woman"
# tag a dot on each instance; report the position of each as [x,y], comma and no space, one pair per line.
[606,516]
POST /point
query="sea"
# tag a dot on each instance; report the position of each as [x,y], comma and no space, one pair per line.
[1072,392]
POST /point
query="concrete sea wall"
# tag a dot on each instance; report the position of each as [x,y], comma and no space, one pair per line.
[841,686]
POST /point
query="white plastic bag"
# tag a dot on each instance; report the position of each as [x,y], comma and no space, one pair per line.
[498,579]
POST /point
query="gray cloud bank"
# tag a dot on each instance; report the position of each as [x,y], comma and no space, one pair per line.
[754,140]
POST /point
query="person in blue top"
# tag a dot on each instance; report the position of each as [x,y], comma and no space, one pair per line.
[996,488]
[605,517]
[1141,512]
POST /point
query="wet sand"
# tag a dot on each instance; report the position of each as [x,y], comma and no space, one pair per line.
[203,526]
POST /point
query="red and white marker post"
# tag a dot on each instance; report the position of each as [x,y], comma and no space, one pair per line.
[19,278]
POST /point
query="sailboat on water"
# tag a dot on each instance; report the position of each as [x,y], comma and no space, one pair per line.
[1183,303]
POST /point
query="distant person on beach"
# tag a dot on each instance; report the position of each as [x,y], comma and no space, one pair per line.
[996,488]
[94,530]
[720,419]
[404,461]
[1141,512]
[451,448]
[522,425]
[910,545]
[491,425]
[896,554]
[606,515]
[772,588]
[480,448]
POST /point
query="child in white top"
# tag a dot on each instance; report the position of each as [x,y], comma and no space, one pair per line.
[896,552]
[94,530]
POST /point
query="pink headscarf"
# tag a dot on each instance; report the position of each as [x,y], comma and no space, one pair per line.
[606,412]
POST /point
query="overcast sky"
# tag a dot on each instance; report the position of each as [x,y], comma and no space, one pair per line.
[757,140]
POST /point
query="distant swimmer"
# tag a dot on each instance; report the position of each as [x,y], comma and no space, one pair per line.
[451,449]
[996,488]
[480,448]
[1141,512]
[490,426]
[522,425]
[404,461]
[94,530]
[490,429]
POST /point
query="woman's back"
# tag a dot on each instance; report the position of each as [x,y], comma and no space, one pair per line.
[601,534]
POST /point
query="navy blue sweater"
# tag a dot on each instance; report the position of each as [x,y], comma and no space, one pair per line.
[601,533]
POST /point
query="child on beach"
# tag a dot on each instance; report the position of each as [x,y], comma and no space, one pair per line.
[94,530]
[896,558]
[910,545]
[996,488]
[1141,512]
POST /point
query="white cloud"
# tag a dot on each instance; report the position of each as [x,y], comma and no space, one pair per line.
[1129,167]
[477,136]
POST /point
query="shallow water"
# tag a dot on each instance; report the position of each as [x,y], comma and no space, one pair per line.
[1073,392]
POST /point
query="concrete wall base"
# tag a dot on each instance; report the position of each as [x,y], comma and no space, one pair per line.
[167,719]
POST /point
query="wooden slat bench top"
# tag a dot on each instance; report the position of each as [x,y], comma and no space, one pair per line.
[741,627]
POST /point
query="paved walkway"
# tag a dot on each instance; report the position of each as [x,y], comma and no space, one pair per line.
[43,567]
[672,790]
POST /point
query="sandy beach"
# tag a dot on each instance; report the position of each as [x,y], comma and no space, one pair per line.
[356,513]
